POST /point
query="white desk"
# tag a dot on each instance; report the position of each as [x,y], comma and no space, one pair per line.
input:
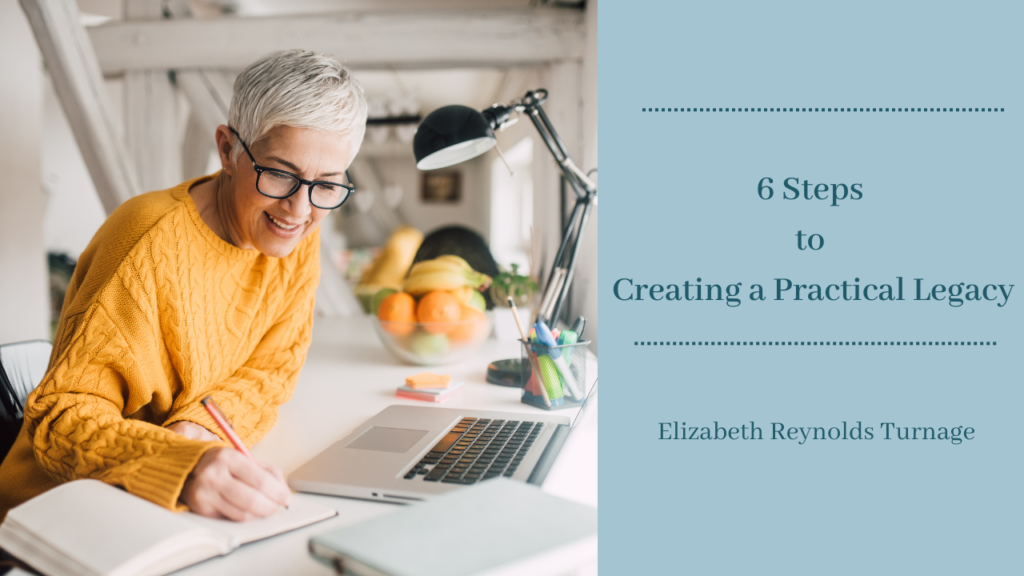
[349,377]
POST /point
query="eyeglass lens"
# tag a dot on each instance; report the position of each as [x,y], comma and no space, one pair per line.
[279,185]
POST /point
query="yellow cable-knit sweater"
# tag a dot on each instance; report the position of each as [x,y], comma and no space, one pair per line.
[161,313]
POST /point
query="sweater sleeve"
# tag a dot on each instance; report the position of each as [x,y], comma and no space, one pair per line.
[76,416]
[252,394]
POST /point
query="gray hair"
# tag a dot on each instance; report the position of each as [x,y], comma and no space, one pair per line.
[301,89]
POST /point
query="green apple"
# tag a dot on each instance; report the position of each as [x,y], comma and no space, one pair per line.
[426,345]
[477,301]
[379,297]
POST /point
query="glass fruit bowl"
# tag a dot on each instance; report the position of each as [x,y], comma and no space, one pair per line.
[433,343]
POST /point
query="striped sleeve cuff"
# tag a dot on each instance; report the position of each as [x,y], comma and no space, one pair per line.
[162,476]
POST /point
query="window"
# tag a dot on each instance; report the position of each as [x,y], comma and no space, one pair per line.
[512,206]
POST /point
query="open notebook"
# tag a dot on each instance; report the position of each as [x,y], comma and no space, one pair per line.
[90,528]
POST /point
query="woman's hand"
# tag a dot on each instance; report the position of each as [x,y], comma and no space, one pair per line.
[193,431]
[227,484]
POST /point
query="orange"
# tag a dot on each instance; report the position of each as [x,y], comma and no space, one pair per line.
[439,310]
[397,311]
[470,325]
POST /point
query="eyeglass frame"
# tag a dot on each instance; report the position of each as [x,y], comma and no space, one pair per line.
[308,183]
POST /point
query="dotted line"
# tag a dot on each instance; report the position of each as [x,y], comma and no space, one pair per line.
[814,343]
[823,109]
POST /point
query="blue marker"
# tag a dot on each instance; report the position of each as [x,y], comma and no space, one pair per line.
[547,339]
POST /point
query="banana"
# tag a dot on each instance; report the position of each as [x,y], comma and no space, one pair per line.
[443,273]
[455,260]
[434,266]
[391,265]
[423,283]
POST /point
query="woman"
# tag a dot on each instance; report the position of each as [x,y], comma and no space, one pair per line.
[205,289]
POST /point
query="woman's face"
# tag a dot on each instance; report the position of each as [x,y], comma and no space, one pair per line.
[276,226]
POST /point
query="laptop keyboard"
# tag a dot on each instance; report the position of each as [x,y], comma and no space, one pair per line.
[477,449]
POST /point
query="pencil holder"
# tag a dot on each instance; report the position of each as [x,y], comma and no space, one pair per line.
[555,376]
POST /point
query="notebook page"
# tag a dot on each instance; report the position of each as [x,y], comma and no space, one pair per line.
[301,513]
[102,527]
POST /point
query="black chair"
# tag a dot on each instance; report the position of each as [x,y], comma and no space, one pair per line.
[22,367]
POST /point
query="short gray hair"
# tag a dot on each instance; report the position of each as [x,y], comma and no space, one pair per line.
[301,89]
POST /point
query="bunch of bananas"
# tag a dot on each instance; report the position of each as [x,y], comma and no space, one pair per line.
[448,272]
[388,269]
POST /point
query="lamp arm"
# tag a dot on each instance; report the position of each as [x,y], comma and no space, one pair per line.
[577,237]
[538,111]
[585,188]
[585,180]
[566,160]
[498,115]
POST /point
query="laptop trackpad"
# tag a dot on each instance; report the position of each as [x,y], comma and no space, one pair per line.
[387,439]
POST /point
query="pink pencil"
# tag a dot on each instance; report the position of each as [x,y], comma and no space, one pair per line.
[225,427]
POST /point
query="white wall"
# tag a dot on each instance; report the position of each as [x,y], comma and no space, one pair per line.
[74,211]
[512,205]
[472,211]
[511,137]
[24,293]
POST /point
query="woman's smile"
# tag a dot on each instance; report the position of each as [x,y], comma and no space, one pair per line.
[281,226]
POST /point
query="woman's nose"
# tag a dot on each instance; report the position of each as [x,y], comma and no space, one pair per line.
[298,204]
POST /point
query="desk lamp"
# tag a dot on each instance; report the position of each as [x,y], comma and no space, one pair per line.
[454,134]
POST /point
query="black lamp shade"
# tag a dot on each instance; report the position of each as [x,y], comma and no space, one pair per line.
[450,135]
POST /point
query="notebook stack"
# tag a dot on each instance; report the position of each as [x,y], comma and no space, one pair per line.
[429,387]
[499,527]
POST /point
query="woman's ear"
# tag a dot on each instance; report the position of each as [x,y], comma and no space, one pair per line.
[225,143]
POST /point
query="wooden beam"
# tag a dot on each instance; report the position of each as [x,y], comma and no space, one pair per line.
[382,5]
[437,39]
[209,110]
[151,114]
[76,77]
[208,102]
[151,128]
[516,81]
[197,148]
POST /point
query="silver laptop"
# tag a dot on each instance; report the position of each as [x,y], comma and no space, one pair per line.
[409,453]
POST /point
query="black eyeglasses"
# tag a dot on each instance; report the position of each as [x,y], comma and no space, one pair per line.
[275,183]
